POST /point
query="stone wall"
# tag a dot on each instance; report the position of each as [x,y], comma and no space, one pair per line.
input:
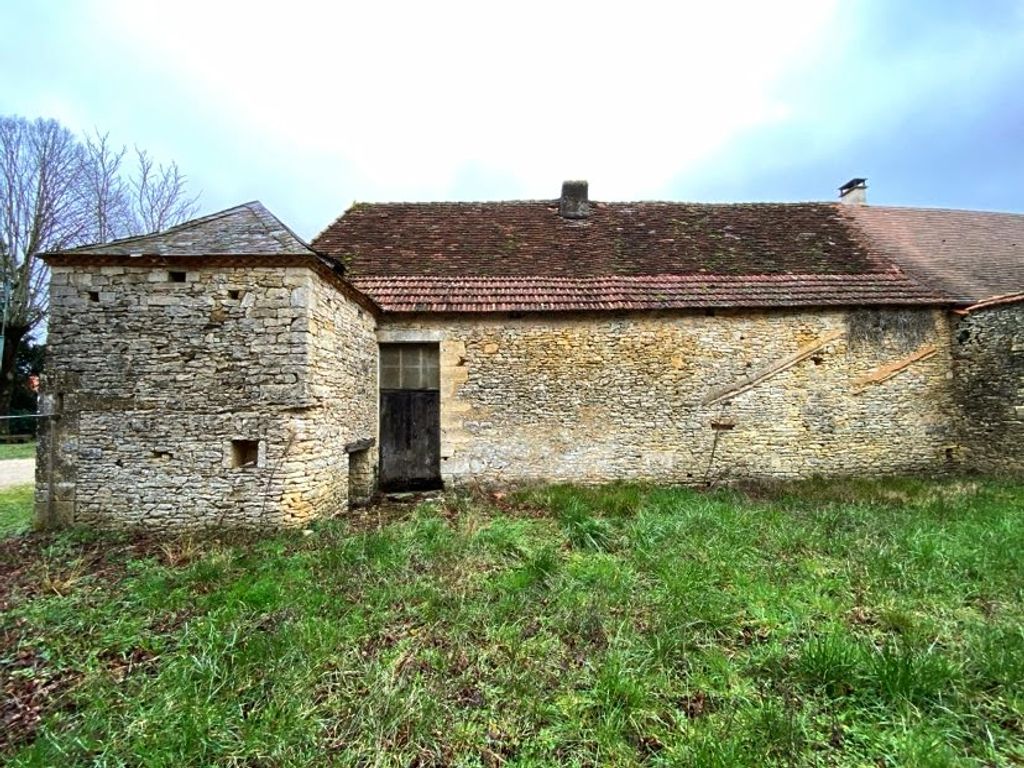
[691,398]
[163,381]
[157,375]
[989,384]
[343,384]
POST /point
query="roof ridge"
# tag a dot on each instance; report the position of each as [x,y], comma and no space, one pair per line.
[654,201]
[931,209]
[185,225]
[207,218]
[248,228]
[993,301]
[262,213]
[555,201]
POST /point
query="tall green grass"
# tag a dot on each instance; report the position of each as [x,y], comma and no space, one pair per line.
[839,623]
[17,451]
[16,509]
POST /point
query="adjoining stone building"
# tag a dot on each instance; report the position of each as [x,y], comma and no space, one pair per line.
[224,372]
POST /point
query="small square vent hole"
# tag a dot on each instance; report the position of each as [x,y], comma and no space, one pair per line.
[94,295]
[245,453]
[176,276]
[234,294]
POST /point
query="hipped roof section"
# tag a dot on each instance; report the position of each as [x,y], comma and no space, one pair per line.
[247,235]
[245,230]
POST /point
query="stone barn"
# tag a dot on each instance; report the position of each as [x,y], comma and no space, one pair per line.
[225,373]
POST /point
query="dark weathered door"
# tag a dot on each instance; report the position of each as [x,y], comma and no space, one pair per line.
[410,417]
[410,439]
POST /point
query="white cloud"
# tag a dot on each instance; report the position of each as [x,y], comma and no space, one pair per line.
[408,96]
[309,105]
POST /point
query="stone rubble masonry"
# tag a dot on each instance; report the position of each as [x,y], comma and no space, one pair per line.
[362,475]
[343,378]
[594,398]
[151,380]
[989,367]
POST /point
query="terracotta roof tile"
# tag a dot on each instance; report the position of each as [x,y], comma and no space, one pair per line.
[530,238]
[403,293]
[522,256]
[972,255]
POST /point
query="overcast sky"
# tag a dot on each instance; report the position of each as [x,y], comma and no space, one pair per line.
[309,106]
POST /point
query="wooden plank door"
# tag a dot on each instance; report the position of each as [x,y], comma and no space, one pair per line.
[410,417]
[410,439]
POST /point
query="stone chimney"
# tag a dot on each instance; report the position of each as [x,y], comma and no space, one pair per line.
[854,192]
[574,203]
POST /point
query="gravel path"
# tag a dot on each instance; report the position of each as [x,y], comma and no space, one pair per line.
[17,472]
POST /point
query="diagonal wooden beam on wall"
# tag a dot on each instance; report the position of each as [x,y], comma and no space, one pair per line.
[757,377]
[887,371]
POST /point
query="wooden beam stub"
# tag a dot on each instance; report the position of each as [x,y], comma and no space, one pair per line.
[748,382]
[887,371]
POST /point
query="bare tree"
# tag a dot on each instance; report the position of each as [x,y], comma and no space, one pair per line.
[136,200]
[159,195]
[57,191]
[42,208]
[105,189]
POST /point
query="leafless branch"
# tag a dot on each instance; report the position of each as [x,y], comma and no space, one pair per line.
[106,190]
[57,191]
[160,198]
[43,206]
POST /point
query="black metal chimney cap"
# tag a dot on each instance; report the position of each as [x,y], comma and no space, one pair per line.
[852,184]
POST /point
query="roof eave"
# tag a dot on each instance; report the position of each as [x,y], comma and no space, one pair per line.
[311,260]
[992,301]
[390,311]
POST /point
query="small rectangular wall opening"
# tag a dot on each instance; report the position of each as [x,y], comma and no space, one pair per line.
[245,453]
[94,296]
[176,276]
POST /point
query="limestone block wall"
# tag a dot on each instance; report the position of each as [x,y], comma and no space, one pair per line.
[691,398]
[187,396]
[343,386]
[989,386]
[362,474]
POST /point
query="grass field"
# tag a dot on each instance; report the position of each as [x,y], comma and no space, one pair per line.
[17,451]
[15,509]
[817,624]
